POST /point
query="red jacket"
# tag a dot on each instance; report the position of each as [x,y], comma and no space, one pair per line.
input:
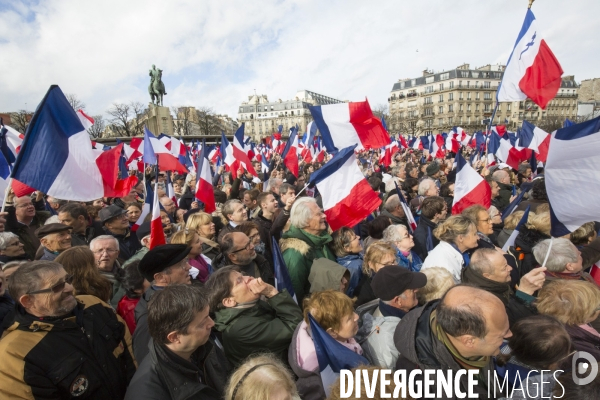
[125,309]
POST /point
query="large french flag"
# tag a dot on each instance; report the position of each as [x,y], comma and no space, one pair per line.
[504,150]
[470,188]
[239,151]
[345,124]
[290,153]
[572,176]
[532,70]
[536,139]
[347,196]
[204,189]
[56,155]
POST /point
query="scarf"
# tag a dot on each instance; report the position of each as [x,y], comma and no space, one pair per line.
[465,255]
[479,363]
[566,275]
[500,290]
[484,238]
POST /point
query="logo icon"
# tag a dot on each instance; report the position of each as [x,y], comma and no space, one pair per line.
[79,386]
[584,372]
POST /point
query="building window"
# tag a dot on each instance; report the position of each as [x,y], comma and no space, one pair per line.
[476,84]
[441,109]
[450,120]
[428,100]
[477,96]
[460,95]
[450,96]
[428,111]
[429,79]
[461,107]
[441,86]
[451,108]
[486,85]
[441,98]
[444,76]
[487,107]
[460,120]
[477,107]
[487,96]
[428,89]
[413,82]
[452,85]
[468,107]
[469,96]
[440,121]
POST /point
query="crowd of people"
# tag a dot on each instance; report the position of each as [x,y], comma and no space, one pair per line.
[88,309]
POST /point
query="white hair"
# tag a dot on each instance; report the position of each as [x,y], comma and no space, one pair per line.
[424,186]
[52,220]
[391,234]
[301,212]
[562,253]
[5,237]
[103,237]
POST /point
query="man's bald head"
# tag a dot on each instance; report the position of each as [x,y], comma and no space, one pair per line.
[501,176]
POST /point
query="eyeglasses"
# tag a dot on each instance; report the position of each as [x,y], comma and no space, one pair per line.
[58,288]
[489,220]
[254,236]
[17,243]
[108,251]
[246,247]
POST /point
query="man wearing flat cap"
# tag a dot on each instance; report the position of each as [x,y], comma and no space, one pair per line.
[396,289]
[115,223]
[433,172]
[162,266]
[55,238]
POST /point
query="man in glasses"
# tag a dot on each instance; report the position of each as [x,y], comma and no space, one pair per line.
[106,252]
[237,249]
[115,223]
[62,346]
[162,266]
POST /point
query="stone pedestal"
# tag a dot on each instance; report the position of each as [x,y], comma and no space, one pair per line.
[159,120]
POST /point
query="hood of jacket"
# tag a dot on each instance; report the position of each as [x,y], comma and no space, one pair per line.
[311,240]
[528,238]
[325,274]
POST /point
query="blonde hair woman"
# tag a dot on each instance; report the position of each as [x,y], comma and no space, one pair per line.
[200,263]
[439,280]
[377,256]
[457,235]
[202,223]
[262,377]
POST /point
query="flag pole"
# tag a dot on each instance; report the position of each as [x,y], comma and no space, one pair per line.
[302,190]
[6,192]
[530,3]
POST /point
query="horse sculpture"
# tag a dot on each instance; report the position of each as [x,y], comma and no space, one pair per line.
[156,89]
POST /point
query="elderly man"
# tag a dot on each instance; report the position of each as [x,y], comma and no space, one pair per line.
[564,260]
[394,211]
[286,191]
[488,270]
[237,249]
[463,330]
[55,238]
[106,254]
[306,240]
[396,290]
[115,222]
[181,349]
[248,324]
[426,188]
[61,346]
[235,213]
[169,206]
[433,211]
[502,178]
[24,218]
[76,216]
[162,266]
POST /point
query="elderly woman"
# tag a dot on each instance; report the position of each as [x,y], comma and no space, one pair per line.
[202,223]
[439,280]
[457,235]
[348,251]
[403,241]
[334,312]
[377,256]
[200,267]
[575,304]
[11,248]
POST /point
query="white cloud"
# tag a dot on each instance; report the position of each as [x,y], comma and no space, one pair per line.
[216,53]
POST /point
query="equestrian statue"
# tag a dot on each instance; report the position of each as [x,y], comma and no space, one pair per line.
[156,89]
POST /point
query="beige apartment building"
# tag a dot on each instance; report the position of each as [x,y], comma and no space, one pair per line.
[262,117]
[465,97]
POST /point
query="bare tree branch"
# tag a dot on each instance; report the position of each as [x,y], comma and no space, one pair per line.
[20,120]
[139,111]
[208,123]
[98,128]
[120,119]
[75,102]
[182,125]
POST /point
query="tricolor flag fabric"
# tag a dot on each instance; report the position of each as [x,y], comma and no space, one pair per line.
[532,69]
[513,204]
[240,153]
[332,355]
[346,124]
[282,275]
[412,224]
[290,153]
[536,139]
[227,155]
[146,208]
[170,188]
[502,149]
[4,177]
[515,233]
[108,162]
[572,177]
[470,188]
[347,196]
[157,233]
[12,139]
[155,151]
[204,189]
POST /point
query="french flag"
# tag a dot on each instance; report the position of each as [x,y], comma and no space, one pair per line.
[56,155]
[110,162]
[412,224]
[515,233]
[157,234]
[572,177]
[536,139]
[204,189]
[146,208]
[345,124]
[332,355]
[4,176]
[532,70]
[470,188]
[504,150]
[227,155]
[290,153]
[347,196]
[239,152]
[170,189]
[11,141]
[282,275]
[159,154]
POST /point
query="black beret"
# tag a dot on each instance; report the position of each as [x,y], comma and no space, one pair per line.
[160,258]
[51,228]
[143,230]
[393,280]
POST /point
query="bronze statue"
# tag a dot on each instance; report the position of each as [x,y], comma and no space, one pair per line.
[156,89]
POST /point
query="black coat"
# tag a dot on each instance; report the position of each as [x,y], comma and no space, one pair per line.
[524,244]
[141,336]
[164,375]
[420,236]
[7,306]
[129,244]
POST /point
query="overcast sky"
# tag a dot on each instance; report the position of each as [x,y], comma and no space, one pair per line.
[215,53]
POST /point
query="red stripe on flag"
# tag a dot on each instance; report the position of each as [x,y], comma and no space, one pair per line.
[157,234]
[543,78]
[205,193]
[481,194]
[543,149]
[291,161]
[595,273]
[369,129]
[361,201]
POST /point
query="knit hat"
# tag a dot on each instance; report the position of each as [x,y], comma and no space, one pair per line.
[432,168]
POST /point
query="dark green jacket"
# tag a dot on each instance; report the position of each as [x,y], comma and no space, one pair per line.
[299,249]
[265,327]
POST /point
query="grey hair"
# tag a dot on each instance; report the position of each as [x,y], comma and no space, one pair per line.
[562,253]
[523,168]
[424,186]
[499,175]
[52,220]
[301,213]
[481,261]
[391,234]
[104,237]
[28,277]
[5,237]
[274,182]
[391,203]
[395,170]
